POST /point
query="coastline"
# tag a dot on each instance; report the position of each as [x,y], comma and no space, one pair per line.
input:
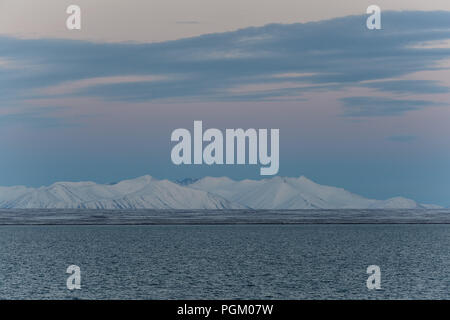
[220,217]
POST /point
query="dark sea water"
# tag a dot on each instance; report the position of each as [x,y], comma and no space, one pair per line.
[313,261]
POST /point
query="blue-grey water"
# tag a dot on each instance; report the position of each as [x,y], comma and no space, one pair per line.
[313,261]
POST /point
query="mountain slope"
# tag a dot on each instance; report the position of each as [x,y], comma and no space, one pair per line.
[295,193]
[140,193]
[147,192]
[282,193]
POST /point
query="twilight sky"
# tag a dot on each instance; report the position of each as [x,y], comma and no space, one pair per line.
[364,110]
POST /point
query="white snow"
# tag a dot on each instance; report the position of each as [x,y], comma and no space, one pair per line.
[140,193]
[147,192]
[296,193]
[282,193]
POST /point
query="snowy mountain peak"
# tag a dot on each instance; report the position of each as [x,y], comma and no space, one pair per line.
[295,193]
[305,180]
[397,202]
[217,179]
[147,192]
[144,178]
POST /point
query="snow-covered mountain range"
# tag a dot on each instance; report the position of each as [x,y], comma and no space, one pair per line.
[147,192]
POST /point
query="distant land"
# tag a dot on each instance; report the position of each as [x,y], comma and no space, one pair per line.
[146,192]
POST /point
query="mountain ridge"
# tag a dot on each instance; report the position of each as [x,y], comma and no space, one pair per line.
[147,192]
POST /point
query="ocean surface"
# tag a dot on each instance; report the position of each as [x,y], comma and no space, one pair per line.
[240,261]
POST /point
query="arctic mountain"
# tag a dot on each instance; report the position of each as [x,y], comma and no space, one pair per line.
[141,193]
[147,192]
[296,193]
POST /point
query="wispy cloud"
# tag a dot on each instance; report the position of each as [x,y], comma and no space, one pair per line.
[78,85]
[328,54]
[381,107]
[409,86]
[402,138]
[39,117]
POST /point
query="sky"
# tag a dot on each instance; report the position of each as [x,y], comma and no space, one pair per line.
[366,110]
